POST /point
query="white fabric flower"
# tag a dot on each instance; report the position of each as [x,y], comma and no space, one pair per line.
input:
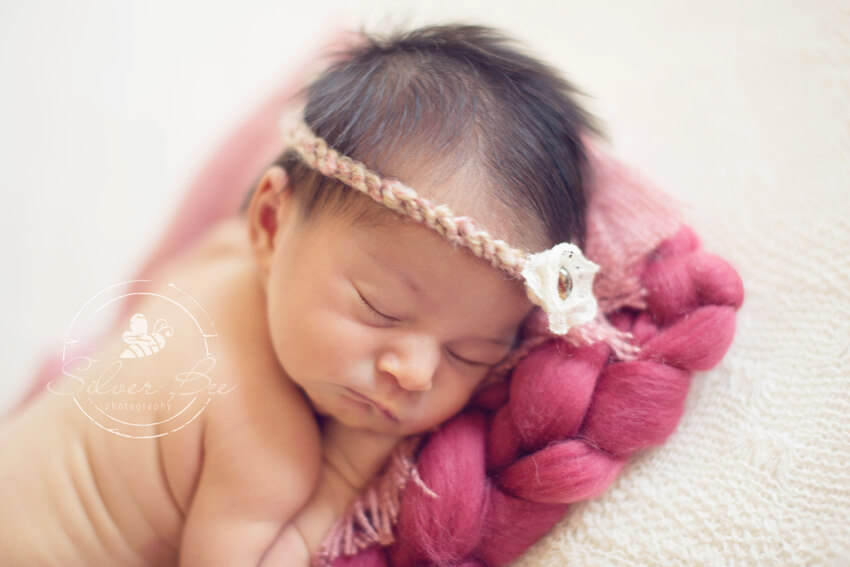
[560,280]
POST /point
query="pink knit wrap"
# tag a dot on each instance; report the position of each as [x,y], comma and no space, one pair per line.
[495,478]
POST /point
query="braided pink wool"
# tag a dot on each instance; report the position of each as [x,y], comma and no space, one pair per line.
[506,469]
[395,195]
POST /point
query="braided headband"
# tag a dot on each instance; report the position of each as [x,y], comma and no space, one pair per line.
[559,280]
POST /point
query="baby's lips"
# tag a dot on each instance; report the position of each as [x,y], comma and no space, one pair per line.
[384,409]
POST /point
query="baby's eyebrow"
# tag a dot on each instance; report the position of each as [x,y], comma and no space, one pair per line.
[400,274]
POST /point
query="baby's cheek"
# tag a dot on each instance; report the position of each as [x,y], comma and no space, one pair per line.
[333,339]
[323,346]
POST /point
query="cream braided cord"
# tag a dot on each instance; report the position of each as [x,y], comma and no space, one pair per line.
[316,154]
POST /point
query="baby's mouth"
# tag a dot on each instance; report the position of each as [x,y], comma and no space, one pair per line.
[380,407]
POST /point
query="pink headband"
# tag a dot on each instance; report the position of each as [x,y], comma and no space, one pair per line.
[559,280]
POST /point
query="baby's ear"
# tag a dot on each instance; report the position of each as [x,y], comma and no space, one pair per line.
[270,210]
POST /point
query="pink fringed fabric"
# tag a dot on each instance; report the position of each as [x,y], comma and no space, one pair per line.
[572,413]
[371,518]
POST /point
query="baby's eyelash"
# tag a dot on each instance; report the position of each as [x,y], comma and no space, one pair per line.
[378,315]
[469,362]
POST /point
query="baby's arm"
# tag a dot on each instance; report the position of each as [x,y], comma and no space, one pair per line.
[262,453]
[351,459]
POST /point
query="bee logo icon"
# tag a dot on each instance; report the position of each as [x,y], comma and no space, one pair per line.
[139,342]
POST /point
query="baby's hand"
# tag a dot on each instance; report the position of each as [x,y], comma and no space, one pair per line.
[351,460]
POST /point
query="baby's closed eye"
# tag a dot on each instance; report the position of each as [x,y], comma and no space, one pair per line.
[478,356]
[377,315]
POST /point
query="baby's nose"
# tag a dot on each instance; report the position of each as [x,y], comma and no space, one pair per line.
[414,367]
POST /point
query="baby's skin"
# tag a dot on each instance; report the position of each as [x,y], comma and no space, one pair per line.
[218,491]
[335,340]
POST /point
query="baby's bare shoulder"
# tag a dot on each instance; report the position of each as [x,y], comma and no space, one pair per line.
[261,451]
[260,444]
[221,248]
[253,453]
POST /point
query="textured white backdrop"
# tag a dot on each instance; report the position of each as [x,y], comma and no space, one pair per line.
[739,109]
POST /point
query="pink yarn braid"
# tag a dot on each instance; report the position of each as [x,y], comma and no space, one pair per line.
[395,195]
[506,469]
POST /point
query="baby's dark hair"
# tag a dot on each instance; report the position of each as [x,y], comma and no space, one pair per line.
[450,97]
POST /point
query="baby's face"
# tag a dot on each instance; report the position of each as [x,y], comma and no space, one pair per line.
[387,328]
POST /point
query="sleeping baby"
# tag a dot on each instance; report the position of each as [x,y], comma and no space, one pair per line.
[269,372]
[345,321]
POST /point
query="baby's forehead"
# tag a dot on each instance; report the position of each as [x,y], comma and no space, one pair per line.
[468,192]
